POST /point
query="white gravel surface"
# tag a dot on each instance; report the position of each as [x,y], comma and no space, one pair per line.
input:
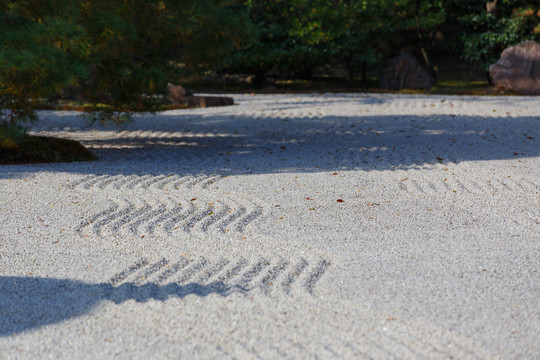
[287,226]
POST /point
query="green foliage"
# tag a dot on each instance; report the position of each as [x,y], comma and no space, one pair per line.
[420,15]
[296,35]
[137,46]
[280,44]
[486,34]
[11,136]
[425,19]
[360,31]
[119,53]
[41,48]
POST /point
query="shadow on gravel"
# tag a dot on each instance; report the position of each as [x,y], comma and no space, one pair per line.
[237,145]
[27,303]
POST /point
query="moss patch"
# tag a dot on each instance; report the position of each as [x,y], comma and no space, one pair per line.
[40,149]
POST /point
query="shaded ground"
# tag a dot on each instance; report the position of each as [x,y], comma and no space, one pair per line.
[287,134]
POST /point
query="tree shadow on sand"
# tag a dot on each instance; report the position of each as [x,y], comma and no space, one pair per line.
[238,145]
[29,302]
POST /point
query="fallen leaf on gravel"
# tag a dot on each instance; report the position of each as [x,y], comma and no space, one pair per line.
[193,199]
[340,200]
[335,173]
[308,198]
[404,179]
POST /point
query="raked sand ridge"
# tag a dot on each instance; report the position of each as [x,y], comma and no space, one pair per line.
[287,226]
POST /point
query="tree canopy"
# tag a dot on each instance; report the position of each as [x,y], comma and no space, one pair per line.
[118,53]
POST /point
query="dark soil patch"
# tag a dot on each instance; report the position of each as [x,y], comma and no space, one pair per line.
[40,149]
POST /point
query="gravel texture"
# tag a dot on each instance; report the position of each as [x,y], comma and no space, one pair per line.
[287,226]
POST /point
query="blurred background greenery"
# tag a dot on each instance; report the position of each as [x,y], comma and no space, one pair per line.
[119,56]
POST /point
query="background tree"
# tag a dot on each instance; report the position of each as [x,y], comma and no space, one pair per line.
[116,53]
[41,52]
[425,19]
[361,31]
[294,36]
[284,42]
[487,28]
[138,46]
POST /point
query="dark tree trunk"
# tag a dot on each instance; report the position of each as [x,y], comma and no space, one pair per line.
[364,72]
[305,73]
[260,78]
[350,69]
[351,73]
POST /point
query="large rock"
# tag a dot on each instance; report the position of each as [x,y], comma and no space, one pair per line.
[518,68]
[405,72]
[178,95]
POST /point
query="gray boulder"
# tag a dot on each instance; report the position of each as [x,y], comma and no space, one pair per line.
[405,72]
[518,68]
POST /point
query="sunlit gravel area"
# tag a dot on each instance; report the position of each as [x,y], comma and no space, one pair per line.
[303,226]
